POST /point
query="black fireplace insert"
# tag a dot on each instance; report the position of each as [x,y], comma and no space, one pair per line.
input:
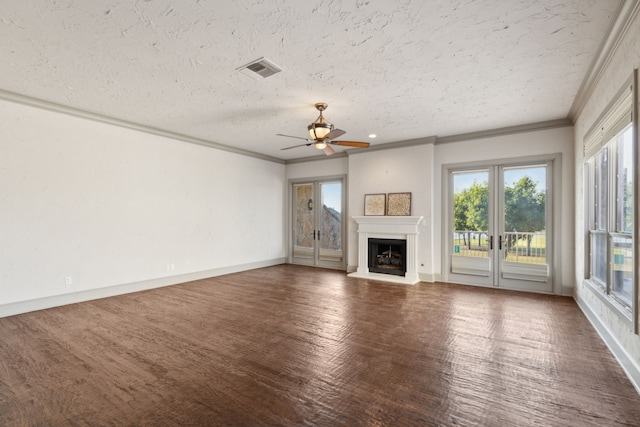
[388,256]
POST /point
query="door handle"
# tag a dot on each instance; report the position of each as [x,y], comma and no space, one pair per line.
[500,242]
[490,242]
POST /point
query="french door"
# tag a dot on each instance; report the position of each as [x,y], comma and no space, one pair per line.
[500,226]
[317,226]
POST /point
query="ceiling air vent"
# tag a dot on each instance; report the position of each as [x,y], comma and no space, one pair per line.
[260,69]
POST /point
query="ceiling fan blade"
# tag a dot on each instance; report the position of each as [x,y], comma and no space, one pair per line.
[290,136]
[328,150]
[351,144]
[335,133]
[296,146]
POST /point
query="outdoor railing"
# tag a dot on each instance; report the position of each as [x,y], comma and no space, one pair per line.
[471,243]
[528,248]
[520,247]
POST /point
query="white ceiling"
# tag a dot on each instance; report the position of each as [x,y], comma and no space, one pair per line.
[400,69]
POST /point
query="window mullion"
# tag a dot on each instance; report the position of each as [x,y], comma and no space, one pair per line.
[612,166]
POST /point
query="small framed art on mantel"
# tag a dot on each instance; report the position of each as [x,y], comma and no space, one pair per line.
[399,204]
[374,204]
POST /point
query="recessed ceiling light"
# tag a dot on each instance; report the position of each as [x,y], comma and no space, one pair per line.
[373,135]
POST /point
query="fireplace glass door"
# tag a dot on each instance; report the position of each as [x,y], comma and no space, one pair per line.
[317,223]
[388,256]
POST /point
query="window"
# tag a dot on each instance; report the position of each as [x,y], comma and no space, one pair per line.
[610,150]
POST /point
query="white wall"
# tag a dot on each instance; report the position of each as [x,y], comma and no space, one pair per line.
[110,206]
[619,69]
[513,146]
[398,170]
[329,166]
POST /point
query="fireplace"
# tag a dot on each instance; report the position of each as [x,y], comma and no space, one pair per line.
[387,229]
[388,256]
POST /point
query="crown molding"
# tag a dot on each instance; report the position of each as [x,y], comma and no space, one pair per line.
[549,124]
[59,108]
[626,13]
[435,140]
[315,158]
[355,151]
[393,145]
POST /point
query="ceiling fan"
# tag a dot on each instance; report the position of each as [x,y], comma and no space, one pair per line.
[322,135]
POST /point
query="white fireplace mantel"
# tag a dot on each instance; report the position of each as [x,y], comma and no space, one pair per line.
[388,227]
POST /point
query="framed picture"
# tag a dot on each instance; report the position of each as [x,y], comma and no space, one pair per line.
[399,204]
[374,204]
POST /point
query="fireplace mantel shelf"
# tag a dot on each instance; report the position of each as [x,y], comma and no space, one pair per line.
[397,227]
[373,219]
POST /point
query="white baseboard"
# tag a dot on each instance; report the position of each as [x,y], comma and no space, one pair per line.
[425,277]
[20,307]
[629,366]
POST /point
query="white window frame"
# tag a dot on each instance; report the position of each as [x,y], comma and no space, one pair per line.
[604,135]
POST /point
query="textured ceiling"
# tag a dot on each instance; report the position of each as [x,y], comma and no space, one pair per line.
[399,69]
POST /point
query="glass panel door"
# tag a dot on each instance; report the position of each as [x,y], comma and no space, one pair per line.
[330,231]
[524,238]
[317,224]
[500,227]
[303,224]
[471,241]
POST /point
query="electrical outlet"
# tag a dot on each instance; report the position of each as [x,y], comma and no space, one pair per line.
[68,280]
[173,266]
[168,267]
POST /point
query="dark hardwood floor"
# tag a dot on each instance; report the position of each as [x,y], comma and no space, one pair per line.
[294,346]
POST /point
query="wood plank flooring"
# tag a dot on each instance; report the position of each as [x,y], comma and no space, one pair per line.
[295,346]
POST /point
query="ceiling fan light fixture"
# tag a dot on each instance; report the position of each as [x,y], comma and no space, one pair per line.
[320,128]
[323,135]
